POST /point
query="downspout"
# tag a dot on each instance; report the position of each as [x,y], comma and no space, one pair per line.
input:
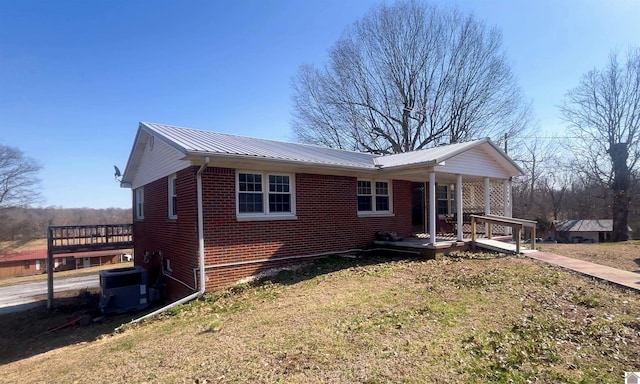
[200,252]
[201,225]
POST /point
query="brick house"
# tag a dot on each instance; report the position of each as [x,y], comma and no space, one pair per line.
[236,206]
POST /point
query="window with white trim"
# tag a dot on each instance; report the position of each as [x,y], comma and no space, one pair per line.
[139,203]
[173,197]
[374,196]
[445,200]
[265,195]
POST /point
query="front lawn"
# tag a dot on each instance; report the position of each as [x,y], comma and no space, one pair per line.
[380,319]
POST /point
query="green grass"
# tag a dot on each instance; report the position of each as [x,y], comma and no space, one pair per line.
[466,318]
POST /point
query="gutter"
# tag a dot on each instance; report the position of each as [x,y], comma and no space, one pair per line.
[201,291]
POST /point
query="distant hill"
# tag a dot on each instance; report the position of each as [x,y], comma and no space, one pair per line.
[20,225]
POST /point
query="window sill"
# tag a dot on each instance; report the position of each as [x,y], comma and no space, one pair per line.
[266,218]
[376,214]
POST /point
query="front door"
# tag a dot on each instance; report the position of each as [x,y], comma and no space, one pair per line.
[417,207]
[86,262]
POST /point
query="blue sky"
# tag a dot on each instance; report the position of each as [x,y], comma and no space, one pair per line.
[76,77]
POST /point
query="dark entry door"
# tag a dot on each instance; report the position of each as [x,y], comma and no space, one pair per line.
[417,206]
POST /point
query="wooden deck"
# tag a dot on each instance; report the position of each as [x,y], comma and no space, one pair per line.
[500,246]
[444,244]
[84,238]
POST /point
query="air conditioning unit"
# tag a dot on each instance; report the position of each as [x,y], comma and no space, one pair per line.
[123,290]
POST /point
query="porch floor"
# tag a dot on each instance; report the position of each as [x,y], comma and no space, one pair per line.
[444,244]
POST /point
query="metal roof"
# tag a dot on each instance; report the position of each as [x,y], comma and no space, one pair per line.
[193,143]
[196,142]
[604,225]
[430,155]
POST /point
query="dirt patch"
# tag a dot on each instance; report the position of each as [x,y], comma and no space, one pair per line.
[75,319]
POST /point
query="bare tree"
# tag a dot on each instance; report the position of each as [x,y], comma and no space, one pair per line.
[408,76]
[603,111]
[538,159]
[18,178]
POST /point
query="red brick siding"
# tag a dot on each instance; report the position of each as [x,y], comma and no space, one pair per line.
[326,208]
[176,239]
[328,221]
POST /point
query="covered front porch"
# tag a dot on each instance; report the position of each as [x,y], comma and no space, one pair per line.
[443,206]
[449,186]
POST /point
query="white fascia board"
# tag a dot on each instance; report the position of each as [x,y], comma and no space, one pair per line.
[196,156]
[132,155]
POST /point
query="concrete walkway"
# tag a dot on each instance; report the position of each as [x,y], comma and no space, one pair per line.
[602,272]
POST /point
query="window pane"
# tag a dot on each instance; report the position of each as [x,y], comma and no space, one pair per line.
[249,202]
[442,191]
[382,203]
[279,184]
[382,188]
[279,202]
[249,182]
[364,187]
[174,206]
[443,207]
[364,203]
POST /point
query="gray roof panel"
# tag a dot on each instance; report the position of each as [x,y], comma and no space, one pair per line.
[193,141]
[604,225]
[205,143]
[435,154]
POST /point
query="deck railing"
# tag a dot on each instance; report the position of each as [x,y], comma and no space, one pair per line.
[79,238]
[84,238]
[517,224]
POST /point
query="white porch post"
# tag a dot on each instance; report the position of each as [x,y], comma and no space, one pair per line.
[487,203]
[506,196]
[432,208]
[506,189]
[425,207]
[459,224]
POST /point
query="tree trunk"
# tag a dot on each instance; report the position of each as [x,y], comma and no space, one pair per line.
[619,153]
[620,216]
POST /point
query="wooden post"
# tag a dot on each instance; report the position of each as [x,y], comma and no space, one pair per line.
[50,269]
[533,237]
[473,233]
[518,231]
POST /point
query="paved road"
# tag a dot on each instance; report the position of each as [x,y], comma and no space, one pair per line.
[17,295]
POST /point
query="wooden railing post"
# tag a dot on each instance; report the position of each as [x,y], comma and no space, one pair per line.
[533,238]
[473,233]
[50,269]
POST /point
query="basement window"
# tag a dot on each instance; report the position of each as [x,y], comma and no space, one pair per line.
[265,196]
